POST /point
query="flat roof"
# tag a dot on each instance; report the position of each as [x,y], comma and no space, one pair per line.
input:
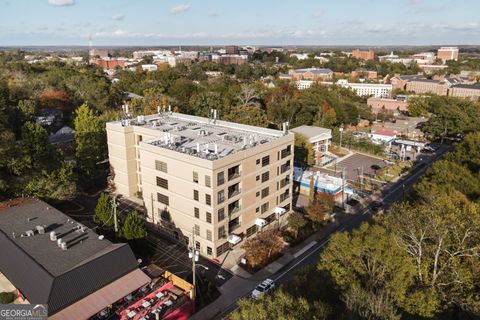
[202,137]
[312,132]
[44,271]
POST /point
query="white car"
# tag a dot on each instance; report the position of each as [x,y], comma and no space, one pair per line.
[266,286]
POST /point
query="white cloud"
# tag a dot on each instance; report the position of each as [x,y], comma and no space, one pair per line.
[118,17]
[213,14]
[180,8]
[61,3]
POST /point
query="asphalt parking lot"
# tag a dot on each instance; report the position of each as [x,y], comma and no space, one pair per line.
[353,165]
[172,255]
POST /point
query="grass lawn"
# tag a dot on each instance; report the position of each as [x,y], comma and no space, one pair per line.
[389,173]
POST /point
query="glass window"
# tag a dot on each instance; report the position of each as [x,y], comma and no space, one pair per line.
[195,176]
[163,183]
[196,212]
[220,178]
[208,217]
[208,199]
[195,195]
[221,196]
[161,166]
[221,214]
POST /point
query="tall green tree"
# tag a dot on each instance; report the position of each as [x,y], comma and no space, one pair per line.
[133,227]
[103,213]
[251,115]
[296,222]
[304,153]
[371,272]
[91,141]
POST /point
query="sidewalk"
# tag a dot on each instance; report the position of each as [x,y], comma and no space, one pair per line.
[240,286]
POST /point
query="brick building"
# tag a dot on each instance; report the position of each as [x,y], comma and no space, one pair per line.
[363,55]
[448,53]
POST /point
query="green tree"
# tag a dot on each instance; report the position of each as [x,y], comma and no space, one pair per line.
[442,238]
[304,153]
[251,115]
[280,305]
[371,272]
[418,106]
[296,222]
[103,214]
[90,139]
[133,227]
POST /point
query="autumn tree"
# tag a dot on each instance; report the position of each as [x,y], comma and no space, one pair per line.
[321,208]
[249,114]
[260,249]
[326,117]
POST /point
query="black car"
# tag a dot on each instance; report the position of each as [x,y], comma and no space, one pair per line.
[376,206]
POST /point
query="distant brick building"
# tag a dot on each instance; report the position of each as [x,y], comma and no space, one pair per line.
[231,49]
[363,55]
[420,85]
[315,74]
[469,91]
[448,53]
[110,63]
[377,104]
[366,74]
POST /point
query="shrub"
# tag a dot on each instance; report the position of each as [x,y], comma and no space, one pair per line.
[6,297]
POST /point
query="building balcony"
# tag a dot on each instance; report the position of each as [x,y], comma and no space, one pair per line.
[284,183]
[284,196]
[234,209]
[285,168]
[285,154]
[234,175]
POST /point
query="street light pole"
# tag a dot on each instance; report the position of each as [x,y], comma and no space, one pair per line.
[343,188]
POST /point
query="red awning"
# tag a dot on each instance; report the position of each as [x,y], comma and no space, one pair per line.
[102,298]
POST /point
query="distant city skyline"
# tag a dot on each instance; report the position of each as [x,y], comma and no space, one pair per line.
[215,22]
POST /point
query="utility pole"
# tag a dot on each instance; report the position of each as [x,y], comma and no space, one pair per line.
[193,254]
[151,204]
[361,180]
[343,188]
[341,134]
[114,206]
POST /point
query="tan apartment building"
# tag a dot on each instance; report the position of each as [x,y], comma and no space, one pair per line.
[221,180]
[420,85]
[363,55]
[314,74]
[378,104]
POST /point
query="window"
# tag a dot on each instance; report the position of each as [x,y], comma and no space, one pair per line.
[264,207]
[220,178]
[208,182]
[265,176]
[209,251]
[221,232]
[163,183]
[286,152]
[208,199]
[195,176]
[162,198]
[265,161]
[258,162]
[221,214]
[208,217]
[251,231]
[265,192]
[257,194]
[161,166]
[196,212]
[195,195]
[257,209]
[197,245]
[197,229]
[221,196]
[209,235]
[257,178]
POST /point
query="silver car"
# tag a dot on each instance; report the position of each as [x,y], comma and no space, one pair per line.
[266,286]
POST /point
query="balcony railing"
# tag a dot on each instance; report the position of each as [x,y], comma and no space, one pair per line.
[234,192]
[284,168]
[285,154]
[233,175]
[284,196]
[232,227]
[233,210]
[284,182]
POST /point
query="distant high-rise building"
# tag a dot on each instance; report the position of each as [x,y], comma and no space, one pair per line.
[231,49]
[363,55]
[448,53]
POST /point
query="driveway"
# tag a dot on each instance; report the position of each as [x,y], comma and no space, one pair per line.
[353,166]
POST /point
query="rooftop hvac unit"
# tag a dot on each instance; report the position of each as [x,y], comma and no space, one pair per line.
[30,233]
[63,245]
[53,236]
[59,242]
[40,229]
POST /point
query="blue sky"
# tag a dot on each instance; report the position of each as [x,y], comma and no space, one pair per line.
[260,22]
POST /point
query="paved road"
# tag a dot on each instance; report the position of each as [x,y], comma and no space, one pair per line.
[311,256]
